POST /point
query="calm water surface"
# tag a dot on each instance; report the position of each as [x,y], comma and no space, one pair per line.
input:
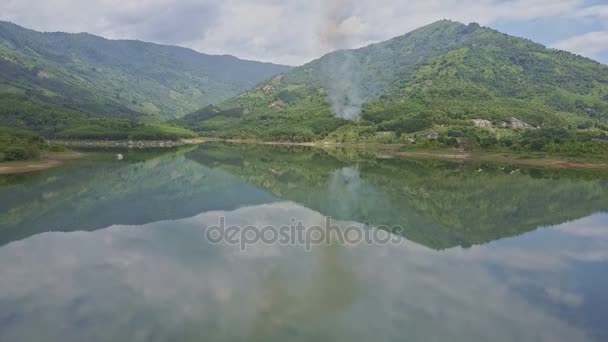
[107,250]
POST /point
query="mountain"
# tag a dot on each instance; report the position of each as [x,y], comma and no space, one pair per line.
[118,78]
[459,85]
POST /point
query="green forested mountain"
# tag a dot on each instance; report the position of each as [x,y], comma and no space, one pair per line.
[432,82]
[119,78]
[81,86]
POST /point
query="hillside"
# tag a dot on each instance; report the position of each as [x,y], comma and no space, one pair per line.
[20,112]
[119,78]
[444,84]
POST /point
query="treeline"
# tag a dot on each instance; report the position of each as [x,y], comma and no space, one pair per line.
[122,130]
[54,122]
[20,145]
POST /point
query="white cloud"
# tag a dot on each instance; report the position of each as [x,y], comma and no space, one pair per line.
[565,297]
[592,227]
[591,44]
[594,11]
[123,274]
[287,31]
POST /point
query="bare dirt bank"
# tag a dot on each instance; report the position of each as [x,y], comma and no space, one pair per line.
[47,162]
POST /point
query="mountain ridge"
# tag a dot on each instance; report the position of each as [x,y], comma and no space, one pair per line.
[128,40]
[433,81]
[130,78]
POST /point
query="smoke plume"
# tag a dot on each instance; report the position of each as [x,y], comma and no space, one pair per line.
[341,78]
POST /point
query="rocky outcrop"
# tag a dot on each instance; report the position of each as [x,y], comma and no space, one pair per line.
[277,104]
[482,123]
[432,135]
[515,123]
[268,89]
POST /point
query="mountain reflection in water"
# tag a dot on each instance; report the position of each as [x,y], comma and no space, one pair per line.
[103,250]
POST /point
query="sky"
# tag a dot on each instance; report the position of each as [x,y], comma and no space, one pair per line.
[296,31]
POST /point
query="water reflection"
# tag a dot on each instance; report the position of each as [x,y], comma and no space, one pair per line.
[100,191]
[434,203]
[115,251]
[438,204]
[163,281]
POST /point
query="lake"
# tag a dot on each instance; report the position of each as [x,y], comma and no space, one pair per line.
[202,244]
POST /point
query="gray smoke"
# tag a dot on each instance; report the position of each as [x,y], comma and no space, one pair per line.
[341,78]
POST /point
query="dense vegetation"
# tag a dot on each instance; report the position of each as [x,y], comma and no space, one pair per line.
[120,79]
[20,145]
[52,121]
[425,89]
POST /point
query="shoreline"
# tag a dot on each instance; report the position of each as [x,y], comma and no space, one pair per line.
[546,162]
[46,162]
[131,144]
[387,151]
[396,151]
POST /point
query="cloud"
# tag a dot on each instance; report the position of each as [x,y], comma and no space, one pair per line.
[155,20]
[273,30]
[117,280]
[593,227]
[600,11]
[591,44]
[565,297]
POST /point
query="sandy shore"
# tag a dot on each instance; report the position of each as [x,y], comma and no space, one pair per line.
[47,162]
